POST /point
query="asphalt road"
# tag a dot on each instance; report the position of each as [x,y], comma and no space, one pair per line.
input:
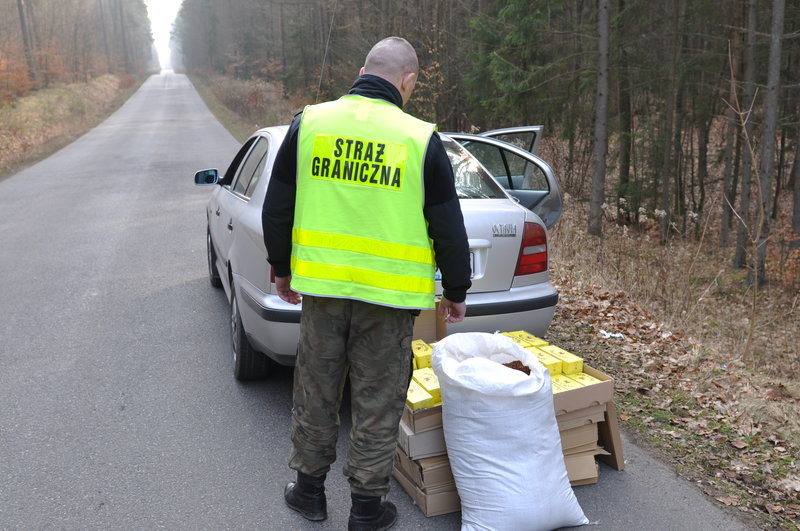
[118,409]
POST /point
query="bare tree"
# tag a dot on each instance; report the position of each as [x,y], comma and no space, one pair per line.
[26,37]
[747,160]
[767,165]
[601,122]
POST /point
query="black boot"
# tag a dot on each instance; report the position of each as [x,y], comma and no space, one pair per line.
[307,497]
[369,513]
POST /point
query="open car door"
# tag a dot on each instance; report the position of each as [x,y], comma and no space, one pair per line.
[508,155]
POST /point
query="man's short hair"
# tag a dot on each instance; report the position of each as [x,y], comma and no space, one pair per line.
[391,57]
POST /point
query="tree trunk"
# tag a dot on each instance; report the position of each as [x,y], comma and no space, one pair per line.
[625,134]
[796,191]
[601,122]
[747,157]
[729,178]
[107,50]
[26,39]
[678,9]
[126,60]
[770,127]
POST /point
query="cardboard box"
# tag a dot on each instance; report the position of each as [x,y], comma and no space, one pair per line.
[424,444]
[587,396]
[578,437]
[432,501]
[422,419]
[588,447]
[426,472]
[589,415]
[428,327]
[609,439]
[582,469]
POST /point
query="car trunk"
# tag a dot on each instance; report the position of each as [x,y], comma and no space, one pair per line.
[494,228]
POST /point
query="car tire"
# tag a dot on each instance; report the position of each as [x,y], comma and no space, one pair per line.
[248,363]
[213,274]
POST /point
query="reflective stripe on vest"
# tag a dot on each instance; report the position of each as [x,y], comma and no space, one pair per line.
[359,231]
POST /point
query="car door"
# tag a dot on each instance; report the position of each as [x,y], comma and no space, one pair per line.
[524,175]
[526,137]
[234,198]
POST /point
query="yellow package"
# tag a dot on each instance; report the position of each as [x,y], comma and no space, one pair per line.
[571,363]
[529,338]
[516,339]
[551,363]
[565,381]
[427,379]
[422,353]
[584,379]
[558,388]
[417,397]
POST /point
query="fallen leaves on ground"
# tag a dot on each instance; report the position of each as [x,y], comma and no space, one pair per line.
[688,404]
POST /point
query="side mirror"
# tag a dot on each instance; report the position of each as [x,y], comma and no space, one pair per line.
[206,177]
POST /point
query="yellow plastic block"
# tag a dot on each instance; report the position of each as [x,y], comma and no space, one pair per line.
[422,353]
[570,362]
[427,379]
[417,397]
[565,381]
[584,379]
[551,363]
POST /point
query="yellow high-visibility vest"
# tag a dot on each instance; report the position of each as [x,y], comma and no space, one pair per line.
[359,231]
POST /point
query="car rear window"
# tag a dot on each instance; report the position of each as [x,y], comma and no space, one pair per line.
[472,181]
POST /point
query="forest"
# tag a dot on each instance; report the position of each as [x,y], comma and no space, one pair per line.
[47,42]
[674,114]
[668,113]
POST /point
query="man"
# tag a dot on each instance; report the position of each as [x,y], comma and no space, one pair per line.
[358,190]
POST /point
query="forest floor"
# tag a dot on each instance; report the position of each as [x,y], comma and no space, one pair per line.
[671,324]
[707,371]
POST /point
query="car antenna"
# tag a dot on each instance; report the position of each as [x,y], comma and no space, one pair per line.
[325,55]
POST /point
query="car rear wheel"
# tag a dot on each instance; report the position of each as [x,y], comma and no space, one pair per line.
[248,363]
[213,274]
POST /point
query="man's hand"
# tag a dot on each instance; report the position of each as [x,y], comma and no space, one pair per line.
[285,291]
[452,312]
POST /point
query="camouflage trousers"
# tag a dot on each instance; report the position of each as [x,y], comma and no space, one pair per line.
[373,344]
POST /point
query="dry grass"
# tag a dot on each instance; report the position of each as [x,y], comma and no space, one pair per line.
[684,383]
[43,122]
[244,106]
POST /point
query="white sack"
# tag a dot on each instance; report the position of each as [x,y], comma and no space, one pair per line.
[502,437]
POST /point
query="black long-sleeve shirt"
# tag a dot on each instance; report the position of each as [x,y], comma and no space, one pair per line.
[442,209]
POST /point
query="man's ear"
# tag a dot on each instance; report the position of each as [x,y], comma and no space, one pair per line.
[361,72]
[408,80]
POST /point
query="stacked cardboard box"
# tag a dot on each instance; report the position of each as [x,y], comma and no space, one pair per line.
[584,408]
[421,465]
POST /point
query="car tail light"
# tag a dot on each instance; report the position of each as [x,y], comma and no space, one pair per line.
[533,250]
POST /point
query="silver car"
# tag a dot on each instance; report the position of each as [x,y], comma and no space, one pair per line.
[509,198]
